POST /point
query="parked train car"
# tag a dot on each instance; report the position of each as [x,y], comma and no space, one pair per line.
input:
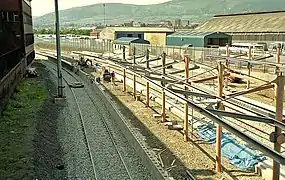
[16,34]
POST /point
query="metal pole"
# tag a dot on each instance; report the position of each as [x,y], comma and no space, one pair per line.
[219,127]
[104,5]
[59,73]
[279,90]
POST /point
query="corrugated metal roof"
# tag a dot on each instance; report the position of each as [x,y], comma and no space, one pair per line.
[129,40]
[264,22]
[125,40]
[191,34]
[139,29]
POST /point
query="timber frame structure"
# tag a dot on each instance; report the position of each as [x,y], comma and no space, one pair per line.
[185,88]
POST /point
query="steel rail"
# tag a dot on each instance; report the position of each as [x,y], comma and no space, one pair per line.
[106,127]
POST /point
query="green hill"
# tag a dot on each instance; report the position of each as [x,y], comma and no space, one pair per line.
[193,10]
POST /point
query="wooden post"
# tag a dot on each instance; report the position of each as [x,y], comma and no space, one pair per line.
[135,88]
[219,128]
[186,110]
[163,62]
[249,66]
[124,52]
[147,83]
[248,73]
[134,55]
[279,94]
[277,58]
[186,133]
[147,94]
[124,81]
[147,58]
[163,113]
[227,63]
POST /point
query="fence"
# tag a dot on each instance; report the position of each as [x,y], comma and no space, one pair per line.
[207,56]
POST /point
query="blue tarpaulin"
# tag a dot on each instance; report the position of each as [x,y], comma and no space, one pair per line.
[238,154]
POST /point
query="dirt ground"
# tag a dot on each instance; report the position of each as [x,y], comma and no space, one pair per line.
[196,156]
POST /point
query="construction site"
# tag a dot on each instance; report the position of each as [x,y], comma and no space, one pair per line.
[214,109]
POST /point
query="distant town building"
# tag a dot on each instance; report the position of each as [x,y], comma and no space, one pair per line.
[129,24]
[95,33]
[178,23]
[166,23]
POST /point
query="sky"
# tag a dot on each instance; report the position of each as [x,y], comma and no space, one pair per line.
[41,7]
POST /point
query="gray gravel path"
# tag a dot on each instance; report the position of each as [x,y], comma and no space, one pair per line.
[97,113]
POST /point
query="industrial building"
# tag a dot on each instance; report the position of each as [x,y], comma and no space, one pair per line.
[198,39]
[156,36]
[245,27]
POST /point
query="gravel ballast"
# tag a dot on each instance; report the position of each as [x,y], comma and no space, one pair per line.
[96,116]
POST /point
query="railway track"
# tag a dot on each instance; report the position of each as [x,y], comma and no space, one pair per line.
[250,107]
[105,155]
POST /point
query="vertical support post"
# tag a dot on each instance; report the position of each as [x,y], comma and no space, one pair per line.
[58,50]
[147,94]
[135,87]
[147,58]
[249,67]
[124,81]
[227,62]
[147,83]
[219,128]
[134,55]
[186,110]
[163,113]
[279,94]
[124,53]
[163,63]
[186,122]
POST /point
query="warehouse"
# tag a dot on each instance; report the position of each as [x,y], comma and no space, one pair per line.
[249,27]
[198,39]
[156,36]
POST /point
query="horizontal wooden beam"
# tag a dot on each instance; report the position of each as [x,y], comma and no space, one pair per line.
[190,93]
[150,60]
[181,71]
[208,78]
[252,90]
[167,64]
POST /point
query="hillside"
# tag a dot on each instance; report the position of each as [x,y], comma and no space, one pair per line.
[193,10]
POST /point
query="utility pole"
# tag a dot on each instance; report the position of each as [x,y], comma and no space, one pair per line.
[104,6]
[59,68]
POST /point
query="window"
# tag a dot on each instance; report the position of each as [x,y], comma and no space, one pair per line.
[139,36]
[29,39]
[129,35]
